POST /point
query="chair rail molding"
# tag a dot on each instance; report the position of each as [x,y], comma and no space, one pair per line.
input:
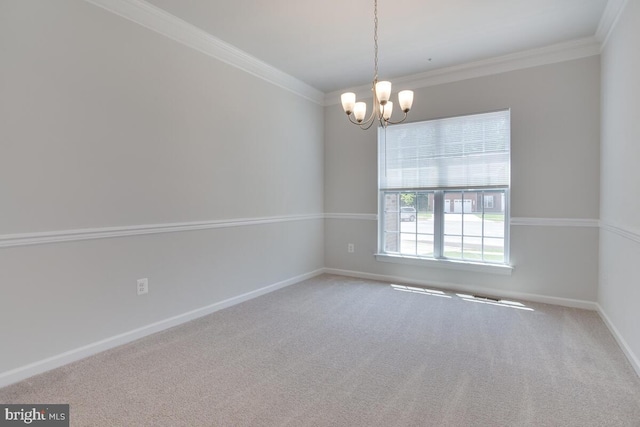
[633,235]
[555,222]
[39,238]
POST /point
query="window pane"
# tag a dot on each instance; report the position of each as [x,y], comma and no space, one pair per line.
[425,224]
[453,224]
[391,212]
[452,247]
[472,249]
[471,216]
[494,214]
[494,201]
[408,211]
[493,250]
[452,217]
[391,242]
[425,245]
[408,244]
[408,223]
[391,225]
[494,225]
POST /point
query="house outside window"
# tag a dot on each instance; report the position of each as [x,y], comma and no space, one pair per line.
[488,201]
[444,189]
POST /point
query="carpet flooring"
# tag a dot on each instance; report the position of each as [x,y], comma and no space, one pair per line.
[337,351]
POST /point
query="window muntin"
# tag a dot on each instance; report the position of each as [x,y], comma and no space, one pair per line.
[470,231]
[409,230]
[473,232]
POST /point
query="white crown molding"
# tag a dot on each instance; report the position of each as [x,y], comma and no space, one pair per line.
[160,21]
[609,20]
[632,235]
[25,239]
[168,25]
[574,49]
[554,222]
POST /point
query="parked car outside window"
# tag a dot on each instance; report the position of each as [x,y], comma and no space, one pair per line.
[407,213]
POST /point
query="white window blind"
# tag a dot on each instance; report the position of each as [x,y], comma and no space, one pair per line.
[455,153]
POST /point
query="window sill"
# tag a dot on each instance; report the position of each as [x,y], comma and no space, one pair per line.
[448,264]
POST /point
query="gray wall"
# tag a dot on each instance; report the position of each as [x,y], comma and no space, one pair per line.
[555,114]
[619,291]
[104,123]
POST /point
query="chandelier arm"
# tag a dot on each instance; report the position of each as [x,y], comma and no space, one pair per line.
[371,116]
[364,122]
[399,121]
[367,126]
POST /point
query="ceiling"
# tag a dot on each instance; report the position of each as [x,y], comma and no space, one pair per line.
[328,44]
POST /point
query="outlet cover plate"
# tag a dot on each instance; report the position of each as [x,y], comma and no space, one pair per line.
[143,286]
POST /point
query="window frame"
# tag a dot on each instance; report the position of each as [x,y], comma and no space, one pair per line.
[438,259]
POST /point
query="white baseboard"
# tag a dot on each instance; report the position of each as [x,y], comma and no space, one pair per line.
[633,359]
[24,372]
[565,302]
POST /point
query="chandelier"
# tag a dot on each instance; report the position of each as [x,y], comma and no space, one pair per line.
[382,107]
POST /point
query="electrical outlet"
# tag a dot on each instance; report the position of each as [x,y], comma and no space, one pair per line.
[351,248]
[143,286]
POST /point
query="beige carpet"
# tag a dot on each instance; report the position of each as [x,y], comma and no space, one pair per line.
[335,351]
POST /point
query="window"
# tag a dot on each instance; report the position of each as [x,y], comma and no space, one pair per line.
[488,202]
[444,189]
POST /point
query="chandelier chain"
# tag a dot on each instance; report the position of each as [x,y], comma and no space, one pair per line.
[375,39]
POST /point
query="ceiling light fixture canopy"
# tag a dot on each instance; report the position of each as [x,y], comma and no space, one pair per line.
[382,107]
